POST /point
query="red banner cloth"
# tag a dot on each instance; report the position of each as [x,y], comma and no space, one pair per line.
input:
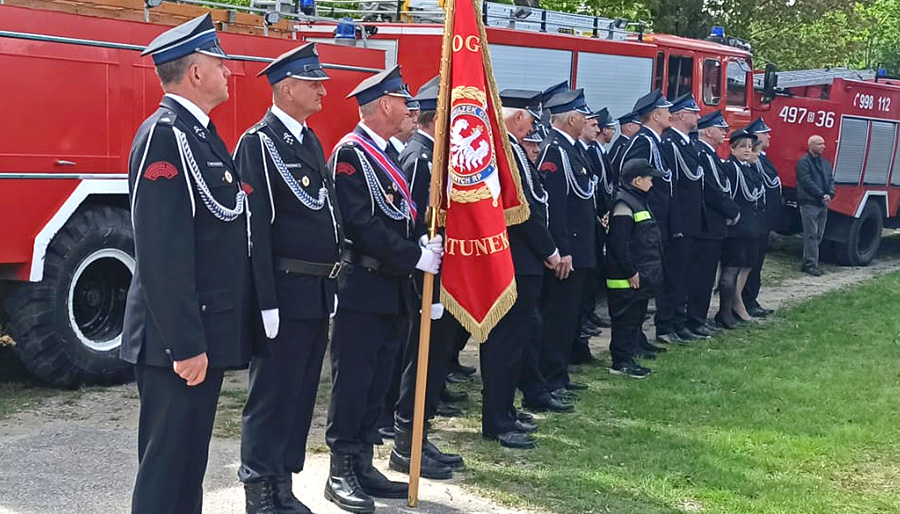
[481,191]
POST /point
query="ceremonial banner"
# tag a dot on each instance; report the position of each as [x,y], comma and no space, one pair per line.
[480,188]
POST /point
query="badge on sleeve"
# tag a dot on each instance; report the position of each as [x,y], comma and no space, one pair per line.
[160,169]
[247,188]
[344,168]
[548,166]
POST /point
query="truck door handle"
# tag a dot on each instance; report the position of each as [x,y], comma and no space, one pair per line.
[60,162]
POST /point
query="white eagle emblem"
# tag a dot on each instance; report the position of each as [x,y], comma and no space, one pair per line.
[463,155]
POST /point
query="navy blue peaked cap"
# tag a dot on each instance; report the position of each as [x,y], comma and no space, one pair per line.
[197,35]
[758,126]
[650,102]
[630,117]
[388,82]
[739,134]
[604,120]
[522,99]
[568,101]
[299,63]
[712,119]
[427,95]
[536,135]
[553,90]
[684,103]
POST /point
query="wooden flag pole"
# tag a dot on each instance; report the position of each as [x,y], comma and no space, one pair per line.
[431,216]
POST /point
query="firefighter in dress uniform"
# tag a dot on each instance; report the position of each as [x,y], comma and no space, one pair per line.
[297,242]
[653,110]
[572,220]
[634,270]
[189,314]
[375,289]
[719,211]
[416,163]
[687,176]
[772,183]
[629,124]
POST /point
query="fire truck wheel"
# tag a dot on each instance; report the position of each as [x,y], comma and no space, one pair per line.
[863,237]
[68,327]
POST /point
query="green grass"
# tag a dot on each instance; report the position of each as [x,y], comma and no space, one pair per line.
[794,416]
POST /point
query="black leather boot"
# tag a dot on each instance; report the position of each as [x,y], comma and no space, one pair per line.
[343,489]
[285,501]
[373,482]
[451,460]
[401,456]
[259,498]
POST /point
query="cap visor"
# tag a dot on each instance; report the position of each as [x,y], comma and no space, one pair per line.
[584,110]
[656,173]
[400,94]
[665,105]
[213,50]
[536,114]
[311,75]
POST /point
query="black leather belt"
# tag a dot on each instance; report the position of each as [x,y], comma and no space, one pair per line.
[318,269]
[363,260]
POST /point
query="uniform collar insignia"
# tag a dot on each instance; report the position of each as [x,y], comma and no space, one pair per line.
[288,138]
[200,132]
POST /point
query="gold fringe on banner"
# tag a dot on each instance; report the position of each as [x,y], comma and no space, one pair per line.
[481,330]
[520,213]
[470,195]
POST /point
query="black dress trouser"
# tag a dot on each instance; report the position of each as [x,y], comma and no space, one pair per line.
[561,307]
[281,400]
[701,273]
[445,335]
[364,350]
[501,359]
[670,304]
[531,381]
[174,430]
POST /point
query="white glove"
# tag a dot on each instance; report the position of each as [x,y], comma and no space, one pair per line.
[429,262]
[270,322]
[437,310]
[436,244]
[335,307]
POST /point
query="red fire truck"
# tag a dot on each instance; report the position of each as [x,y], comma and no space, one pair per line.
[72,93]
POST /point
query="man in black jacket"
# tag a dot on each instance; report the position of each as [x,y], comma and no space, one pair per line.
[297,241]
[375,289]
[719,210]
[815,190]
[629,124]
[189,313]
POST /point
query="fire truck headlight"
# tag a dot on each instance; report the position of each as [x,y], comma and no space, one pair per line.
[272,17]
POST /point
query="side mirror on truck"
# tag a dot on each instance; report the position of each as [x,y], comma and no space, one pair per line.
[770,82]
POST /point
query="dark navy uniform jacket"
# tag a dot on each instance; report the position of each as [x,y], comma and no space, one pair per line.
[415,161]
[191,291]
[718,204]
[366,196]
[606,178]
[567,178]
[283,225]
[530,242]
[663,197]
[773,193]
[617,152]
[687,175]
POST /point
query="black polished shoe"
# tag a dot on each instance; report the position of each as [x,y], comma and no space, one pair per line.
[446,410]
[259,497]
[456,377]
[597,320]
[450,396]
[553,405]
[285,501]
[812,270]
[451,460]
[727,322]
[713,326]
[669,338]
[758,312]
[703,331]
[650,347]
[525,428]
[564,395]
[343,489]
[689,335]
[524,416]
[373,482]
[647,355]
[629,369]
[386,432]
[589,331]
[513,439]
[401,457]
[576,386]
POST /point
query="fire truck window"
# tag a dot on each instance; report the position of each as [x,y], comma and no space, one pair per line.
[736,92]
[660,68]
[712,82]
[681,76]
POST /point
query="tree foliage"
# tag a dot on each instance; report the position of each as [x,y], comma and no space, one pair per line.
[793,34]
